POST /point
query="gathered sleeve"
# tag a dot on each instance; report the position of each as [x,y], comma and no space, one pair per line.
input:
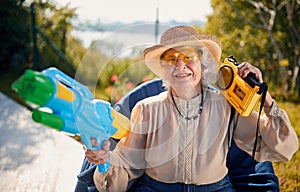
[277,140]
[127,159]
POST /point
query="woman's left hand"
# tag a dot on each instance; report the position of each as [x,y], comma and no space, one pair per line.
[245,68]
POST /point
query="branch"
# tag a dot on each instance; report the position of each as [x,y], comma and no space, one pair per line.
[289,9]
[253,24]
[259,5]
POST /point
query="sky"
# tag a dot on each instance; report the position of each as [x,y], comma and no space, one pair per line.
[140,10]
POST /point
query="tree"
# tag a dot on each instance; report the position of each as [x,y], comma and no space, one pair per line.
[53,27]
[15,34]
[264,32]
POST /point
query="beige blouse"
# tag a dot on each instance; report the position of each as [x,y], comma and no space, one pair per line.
[172,149]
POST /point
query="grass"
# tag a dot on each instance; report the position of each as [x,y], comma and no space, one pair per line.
[287,172]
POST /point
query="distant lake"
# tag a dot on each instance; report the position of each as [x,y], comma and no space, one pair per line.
[128,36]
[87,37]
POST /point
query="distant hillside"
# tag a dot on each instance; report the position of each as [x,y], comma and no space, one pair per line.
[114,26]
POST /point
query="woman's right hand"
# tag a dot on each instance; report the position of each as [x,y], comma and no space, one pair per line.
[99,156]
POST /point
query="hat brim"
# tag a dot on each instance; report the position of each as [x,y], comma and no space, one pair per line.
[152,54]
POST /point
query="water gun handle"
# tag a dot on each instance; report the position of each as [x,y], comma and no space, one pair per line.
[103,168]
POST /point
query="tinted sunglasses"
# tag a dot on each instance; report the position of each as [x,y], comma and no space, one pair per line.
[186,55]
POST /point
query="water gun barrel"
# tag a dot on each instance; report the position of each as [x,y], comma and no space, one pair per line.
[34,88]
[55,121]
[48,119]
[40,90]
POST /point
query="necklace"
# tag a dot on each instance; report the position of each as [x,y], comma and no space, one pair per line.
[187,117]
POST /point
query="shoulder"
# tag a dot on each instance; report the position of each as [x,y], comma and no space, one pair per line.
[154,100]
[152,103]
[142,110]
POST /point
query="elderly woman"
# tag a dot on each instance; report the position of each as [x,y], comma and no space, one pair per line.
[179,138]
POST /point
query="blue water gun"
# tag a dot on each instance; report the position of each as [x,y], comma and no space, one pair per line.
[70,107]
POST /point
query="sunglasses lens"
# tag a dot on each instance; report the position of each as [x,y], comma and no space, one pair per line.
[170,57]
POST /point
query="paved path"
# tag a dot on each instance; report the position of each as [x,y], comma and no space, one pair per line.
[34,157]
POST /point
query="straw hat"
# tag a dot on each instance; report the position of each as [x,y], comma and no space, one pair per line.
[180,36]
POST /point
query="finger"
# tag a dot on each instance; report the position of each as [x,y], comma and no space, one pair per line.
[246,68]
[92,159]
[242,68]
[100,161]
[97,153]
[91,155]
[103,160]
[95,159]
[106,145]
[258,75]
[246,72]
[243,65]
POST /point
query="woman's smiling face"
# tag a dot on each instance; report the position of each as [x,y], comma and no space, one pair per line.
[182,67]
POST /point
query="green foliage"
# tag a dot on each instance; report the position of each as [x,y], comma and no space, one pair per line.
[16,48]
[250,33]
[119,77]
[289,172]
[15,35]
[109,73]
[55,23]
